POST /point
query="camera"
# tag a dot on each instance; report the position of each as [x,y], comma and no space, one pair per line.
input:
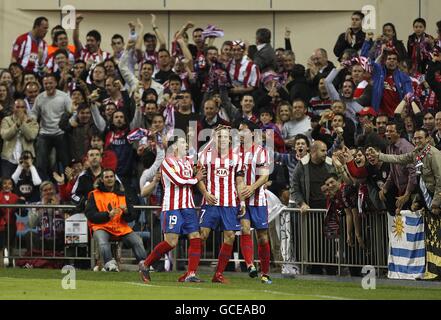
[179,97]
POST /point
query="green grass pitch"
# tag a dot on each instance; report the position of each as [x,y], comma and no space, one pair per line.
[47,284]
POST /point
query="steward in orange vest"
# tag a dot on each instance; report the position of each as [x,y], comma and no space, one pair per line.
[108,208]
[108,211]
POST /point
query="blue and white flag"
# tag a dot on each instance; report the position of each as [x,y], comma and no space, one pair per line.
[407,253]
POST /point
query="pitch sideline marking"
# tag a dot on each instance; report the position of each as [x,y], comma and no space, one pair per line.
[155,286]
[254,291]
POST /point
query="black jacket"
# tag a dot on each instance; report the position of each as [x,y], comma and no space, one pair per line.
[411,45]
[430,78]
[314,82]
[78,138]
[299,89]
[82,187]
[341,45]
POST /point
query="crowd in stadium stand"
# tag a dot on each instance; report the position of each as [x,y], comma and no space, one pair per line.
[69,110]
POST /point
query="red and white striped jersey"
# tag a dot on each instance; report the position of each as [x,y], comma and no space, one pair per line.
[221,175]
[254,160]
[53,66]
[177,179]
[25,51]
[97,57]
[360,89]
[245,74]
[153,58]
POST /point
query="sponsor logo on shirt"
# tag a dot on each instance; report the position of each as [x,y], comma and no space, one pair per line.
[222,172]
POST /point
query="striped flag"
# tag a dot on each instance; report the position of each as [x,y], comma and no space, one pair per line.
[407,253]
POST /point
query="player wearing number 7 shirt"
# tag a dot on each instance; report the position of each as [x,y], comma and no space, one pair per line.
[223,167]
[179,216]
[256,174]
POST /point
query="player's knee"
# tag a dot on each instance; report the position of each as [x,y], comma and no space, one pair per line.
[245,227]
[194,235]
[262,236]
[204,234]
[173,243]
[229,238]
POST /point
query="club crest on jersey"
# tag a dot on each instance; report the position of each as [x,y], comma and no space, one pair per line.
[186,173]
[222,172]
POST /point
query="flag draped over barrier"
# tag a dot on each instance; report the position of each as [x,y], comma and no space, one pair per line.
[407,253]
[284,232]
[433,246]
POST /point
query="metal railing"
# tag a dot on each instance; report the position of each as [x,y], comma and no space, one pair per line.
[309,244]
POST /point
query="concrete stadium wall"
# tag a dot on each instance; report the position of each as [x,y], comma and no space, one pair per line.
[313,24]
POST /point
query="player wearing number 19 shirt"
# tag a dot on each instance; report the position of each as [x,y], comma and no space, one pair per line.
[256,173]
[223,167]
[178,216]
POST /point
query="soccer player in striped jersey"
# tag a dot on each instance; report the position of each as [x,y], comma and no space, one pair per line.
[178,216]
[223,166]
[256,173]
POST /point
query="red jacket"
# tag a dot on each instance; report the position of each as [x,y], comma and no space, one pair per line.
[7,214]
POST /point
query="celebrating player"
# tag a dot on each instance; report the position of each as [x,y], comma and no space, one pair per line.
[224,173]
[256,173]
[178,213]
